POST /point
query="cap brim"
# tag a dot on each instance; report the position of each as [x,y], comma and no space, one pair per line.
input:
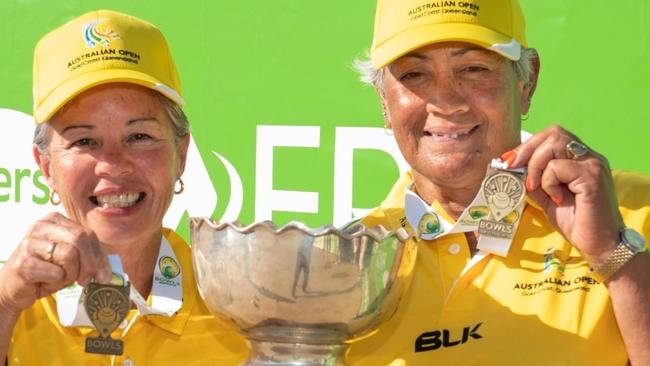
[73,87]
[414,38]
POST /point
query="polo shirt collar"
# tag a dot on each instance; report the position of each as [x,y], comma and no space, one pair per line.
[176,323]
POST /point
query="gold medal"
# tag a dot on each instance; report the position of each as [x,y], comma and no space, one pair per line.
[503,192]
[106,306]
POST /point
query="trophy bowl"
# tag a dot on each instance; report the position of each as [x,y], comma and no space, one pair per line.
[300,295]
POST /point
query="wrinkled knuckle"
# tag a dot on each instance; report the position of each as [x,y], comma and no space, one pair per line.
[27,270]
[86,235]
[85,272]
[67,253]
[553,164]
[553,138]
[28,277]
[590,191]
[60,275]
[596,167]
[78,235]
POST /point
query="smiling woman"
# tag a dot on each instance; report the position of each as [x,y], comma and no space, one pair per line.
[523,247]
[111,142]
[113,160]
[453,107]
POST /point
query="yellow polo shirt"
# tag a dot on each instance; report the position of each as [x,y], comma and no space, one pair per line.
[540,305]
[190,337]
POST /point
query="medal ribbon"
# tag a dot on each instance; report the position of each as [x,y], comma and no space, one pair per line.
[166,291]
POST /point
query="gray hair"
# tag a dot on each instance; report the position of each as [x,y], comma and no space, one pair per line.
[371,76]
[180,124]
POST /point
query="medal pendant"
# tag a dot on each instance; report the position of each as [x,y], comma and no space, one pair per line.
[106,306]
[503,192]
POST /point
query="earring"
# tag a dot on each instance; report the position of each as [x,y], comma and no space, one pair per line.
[387,128]
[180,189]
[524,117]
[55,201]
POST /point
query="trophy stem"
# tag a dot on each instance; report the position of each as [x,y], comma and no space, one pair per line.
[268,353]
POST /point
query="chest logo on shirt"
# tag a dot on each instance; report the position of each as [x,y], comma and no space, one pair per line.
[557,278]
[443,338]
[557,285]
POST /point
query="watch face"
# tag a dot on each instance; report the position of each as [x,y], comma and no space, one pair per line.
[634,239]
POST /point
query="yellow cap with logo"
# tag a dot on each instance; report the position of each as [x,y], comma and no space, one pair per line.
[405,25]
[96,48]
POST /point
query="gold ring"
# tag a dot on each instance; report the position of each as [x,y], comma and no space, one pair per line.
[576,150]
[49,252]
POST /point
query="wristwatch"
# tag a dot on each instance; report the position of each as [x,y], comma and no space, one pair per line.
[630,243]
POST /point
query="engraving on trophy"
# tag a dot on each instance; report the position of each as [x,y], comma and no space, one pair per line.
[300,295]
[106,306]
[503,192]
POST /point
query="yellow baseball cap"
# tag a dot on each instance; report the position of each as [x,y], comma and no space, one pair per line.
[96,48]
[405,25]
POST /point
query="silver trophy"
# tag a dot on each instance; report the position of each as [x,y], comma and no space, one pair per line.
[300,295]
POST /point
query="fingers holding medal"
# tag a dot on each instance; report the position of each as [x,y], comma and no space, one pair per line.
[77,250]
[574,186]
[551,144]
[53,254]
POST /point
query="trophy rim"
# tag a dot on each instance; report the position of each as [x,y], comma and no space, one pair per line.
[377,232]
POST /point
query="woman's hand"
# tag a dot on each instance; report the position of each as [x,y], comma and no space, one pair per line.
[54,253]
[577,193]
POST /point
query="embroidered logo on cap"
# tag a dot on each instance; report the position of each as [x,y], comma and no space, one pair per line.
[94,34]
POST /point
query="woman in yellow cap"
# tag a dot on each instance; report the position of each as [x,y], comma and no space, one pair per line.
[111,141]
[536,258]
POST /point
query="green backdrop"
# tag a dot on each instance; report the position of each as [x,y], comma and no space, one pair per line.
[288,62]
